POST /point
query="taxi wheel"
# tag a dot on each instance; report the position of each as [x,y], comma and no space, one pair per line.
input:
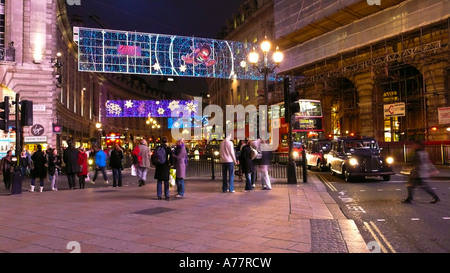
[386,177]
[347,176]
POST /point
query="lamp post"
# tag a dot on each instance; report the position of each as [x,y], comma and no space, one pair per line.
[98,125]
[266,69]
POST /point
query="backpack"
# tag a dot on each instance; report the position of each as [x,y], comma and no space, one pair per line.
[160,156]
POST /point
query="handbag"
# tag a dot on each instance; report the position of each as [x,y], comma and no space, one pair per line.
[133,170]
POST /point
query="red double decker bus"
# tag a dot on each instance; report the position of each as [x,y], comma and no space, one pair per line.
[306,124]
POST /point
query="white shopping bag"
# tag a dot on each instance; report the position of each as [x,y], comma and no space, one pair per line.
[172,177]
[133,170]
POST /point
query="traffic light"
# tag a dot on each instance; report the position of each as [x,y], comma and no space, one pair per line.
[26,112]
[4,116]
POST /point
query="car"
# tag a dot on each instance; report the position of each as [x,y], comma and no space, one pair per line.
[358,157]
[316,153]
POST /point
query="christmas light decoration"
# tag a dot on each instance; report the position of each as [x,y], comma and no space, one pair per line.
[112,51]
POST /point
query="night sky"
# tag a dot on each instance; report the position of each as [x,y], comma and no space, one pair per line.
[199,18]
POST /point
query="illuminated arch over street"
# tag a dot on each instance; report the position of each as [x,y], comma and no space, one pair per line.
[112,51]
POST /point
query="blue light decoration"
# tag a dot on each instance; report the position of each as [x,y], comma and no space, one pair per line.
[151,108]
[181,123]
[112,51]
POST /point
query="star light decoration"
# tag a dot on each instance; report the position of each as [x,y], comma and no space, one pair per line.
[153,108]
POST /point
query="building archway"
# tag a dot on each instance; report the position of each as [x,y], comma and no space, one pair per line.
[401,83]
[344,107]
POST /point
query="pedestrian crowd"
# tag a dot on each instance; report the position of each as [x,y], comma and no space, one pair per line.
[170,166]
[245,161]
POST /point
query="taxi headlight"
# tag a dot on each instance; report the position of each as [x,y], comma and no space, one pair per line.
[90,161]
[390,160]
[353,161]
[216,153]
[295,154]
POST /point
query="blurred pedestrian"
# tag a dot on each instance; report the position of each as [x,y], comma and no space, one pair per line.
[70,158]
[247,165]
[144,162]
[162,159]
[7,169]
[136,162]
[180,158]
[83,169]
[420,172]
[238,167]
[115,162]
[100,164]
[54,167]
[39,168]
[263,168]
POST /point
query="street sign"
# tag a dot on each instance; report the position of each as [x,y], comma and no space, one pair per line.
[394,110]
[444,115]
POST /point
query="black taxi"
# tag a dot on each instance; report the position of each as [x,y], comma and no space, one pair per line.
[358,157]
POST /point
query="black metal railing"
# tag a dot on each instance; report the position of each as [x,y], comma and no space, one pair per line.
[206,167]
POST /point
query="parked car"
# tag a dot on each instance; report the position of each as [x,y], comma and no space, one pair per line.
[316,153]
[358,157]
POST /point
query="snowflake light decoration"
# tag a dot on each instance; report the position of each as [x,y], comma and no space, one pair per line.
[113,109]
[129,104]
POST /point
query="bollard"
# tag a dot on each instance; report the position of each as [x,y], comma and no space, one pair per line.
[16,185]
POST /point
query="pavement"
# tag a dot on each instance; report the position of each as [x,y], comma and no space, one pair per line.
[290,218]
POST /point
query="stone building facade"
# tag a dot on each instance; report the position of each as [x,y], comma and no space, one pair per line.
[360,58]
[32,33]
[28,41]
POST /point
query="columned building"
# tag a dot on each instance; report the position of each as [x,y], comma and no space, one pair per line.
[82,96]
[27,44]
[38,61]
[251,24]
[380,70]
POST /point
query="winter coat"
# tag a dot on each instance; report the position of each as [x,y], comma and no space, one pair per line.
[227,153]
[115,161]
[70,158]
[83,162]
[100,158]
[245,159]
[180,158]
[39,161]
[144,152]
[162,170]
[54,163]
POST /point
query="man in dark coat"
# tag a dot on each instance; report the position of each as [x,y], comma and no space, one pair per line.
[39,159]
[70,158]
[162,171]
[245,159]
[115,162]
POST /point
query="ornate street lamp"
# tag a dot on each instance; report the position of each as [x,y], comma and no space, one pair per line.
[266,69]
